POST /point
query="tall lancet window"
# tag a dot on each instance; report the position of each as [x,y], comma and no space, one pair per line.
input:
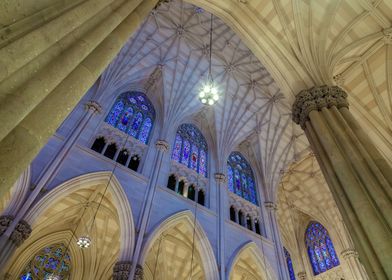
[240,179]
[321,251]
[190,148]
[289,264]
[51,259]
[134,114]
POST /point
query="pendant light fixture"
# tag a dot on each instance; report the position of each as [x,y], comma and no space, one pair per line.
[209,93]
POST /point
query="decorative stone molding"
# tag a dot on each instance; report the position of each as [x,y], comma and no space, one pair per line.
[301,275]
[219,177]
[21,232]
[139,274]
[270,206]
[339,80]
[349,253]
[188,175]
[94,106]
[121,270]
[317,98]
[387,35]
[248,208]
[5,222]
[162,146]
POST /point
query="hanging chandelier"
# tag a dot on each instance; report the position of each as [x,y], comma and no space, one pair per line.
[209,92]
[84,242]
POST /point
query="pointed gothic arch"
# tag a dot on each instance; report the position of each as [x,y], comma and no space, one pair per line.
[202,244]
[260,269]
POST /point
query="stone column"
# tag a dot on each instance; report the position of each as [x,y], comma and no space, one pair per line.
[356,270]
[220,180]
[121,270]
[358,176]
[162,147]
[46,99]
[282,266]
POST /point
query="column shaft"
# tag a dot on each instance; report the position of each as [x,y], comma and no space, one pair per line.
[358,176]
[23,143]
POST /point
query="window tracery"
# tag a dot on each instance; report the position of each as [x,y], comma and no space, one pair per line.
[320,248]
[190,148]
[133,113]
[47,261]
[240,179]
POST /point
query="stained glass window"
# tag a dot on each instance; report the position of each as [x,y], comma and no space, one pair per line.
[289,264]
[134,114]
[240,177]
[320,248]
[190,148]
[47,261]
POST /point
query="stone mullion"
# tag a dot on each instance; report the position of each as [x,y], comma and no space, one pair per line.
[24,142]
[356,181]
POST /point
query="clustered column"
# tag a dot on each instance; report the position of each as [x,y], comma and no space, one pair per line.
[271,210]
[33,100]
[220,179]
[359,177]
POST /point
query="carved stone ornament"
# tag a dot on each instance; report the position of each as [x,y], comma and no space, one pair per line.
[121,270]
[21,232]
[220,177]
[94,106]
[162,145]
[5,222]
[302,275]
[270,205]
[317,98]
[349,253]
[139,274]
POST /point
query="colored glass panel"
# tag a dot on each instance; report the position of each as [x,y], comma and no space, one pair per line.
[321,251]
[177,148]
[194,157]
[186,149]
[133,113]
[114,114]
[289,262]
[203,163]
[192,150]
[45,262]
[243,180]
[230,179]
[145,131]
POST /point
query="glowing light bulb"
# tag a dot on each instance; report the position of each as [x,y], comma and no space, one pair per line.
[214,90]
[202,94]
[204,101]
[207,88]
[216,97]
[84,242]
[211,102]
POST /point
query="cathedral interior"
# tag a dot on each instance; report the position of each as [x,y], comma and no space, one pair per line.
[196,139]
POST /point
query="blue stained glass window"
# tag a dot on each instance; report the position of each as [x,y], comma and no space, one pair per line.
[230,178]
[203,163]
[45,262]
[289,264]
[190,148]
[177,148]
[114,114]
[194,157]
[240,177]
[133,113]
[321,251]
[145,131]
[185,152]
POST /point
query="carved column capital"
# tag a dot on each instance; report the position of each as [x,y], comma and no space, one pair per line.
[139,274]
[271,206]
[121,270]
[302,275]
[317,98]
[21,232]
[94,106]
[5,222]
[162,146]
[349,253]
[219,177]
